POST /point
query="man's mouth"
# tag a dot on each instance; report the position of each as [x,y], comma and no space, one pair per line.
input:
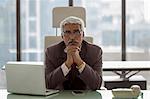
[72,42]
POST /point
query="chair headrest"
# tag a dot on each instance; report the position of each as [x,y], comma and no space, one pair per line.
[60,13]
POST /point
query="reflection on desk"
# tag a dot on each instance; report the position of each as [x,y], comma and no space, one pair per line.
[99,94]
[61,95]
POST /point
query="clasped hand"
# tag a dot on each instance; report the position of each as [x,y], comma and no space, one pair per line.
[73,56]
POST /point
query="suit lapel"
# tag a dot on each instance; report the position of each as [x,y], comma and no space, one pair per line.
[83,50]
[62,56]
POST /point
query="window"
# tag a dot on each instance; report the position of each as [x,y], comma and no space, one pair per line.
[103,25]
[138,30]
[7,31]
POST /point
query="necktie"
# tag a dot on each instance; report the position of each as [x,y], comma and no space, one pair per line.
[74,82]
[68,84]
[73,72]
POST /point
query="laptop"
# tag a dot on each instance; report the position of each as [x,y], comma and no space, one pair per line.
[22,96]
[27,78]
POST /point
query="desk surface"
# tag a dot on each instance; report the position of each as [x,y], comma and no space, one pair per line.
[126,65]
[99,94]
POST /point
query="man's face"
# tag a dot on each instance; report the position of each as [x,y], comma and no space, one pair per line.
[72,34]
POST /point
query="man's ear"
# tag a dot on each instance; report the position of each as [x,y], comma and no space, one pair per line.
[83,33]
[61,35]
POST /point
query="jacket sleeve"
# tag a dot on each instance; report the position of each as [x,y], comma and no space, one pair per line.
[92,75]
[54,76]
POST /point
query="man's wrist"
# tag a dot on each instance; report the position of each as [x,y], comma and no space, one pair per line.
[81,65]
[65,69]
[67,65]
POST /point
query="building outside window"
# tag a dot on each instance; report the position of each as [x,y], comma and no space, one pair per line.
[7,31]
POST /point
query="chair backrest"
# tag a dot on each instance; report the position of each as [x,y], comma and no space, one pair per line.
[49,40]
[60,13]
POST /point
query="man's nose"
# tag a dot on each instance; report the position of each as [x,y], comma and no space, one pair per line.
[72,36]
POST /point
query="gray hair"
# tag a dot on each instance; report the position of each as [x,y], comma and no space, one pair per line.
[72,19]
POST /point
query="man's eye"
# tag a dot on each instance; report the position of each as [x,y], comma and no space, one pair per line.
[67,32]
[77,32]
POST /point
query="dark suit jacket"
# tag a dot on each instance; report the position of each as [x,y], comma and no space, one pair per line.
[91,75]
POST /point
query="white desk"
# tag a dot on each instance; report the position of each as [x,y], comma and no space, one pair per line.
[125,67]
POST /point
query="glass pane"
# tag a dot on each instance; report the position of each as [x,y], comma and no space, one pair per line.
[7,31]
[104,25]
[36,22]
[138,30]
[32,8]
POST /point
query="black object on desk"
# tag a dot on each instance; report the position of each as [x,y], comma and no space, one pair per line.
[111,82]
